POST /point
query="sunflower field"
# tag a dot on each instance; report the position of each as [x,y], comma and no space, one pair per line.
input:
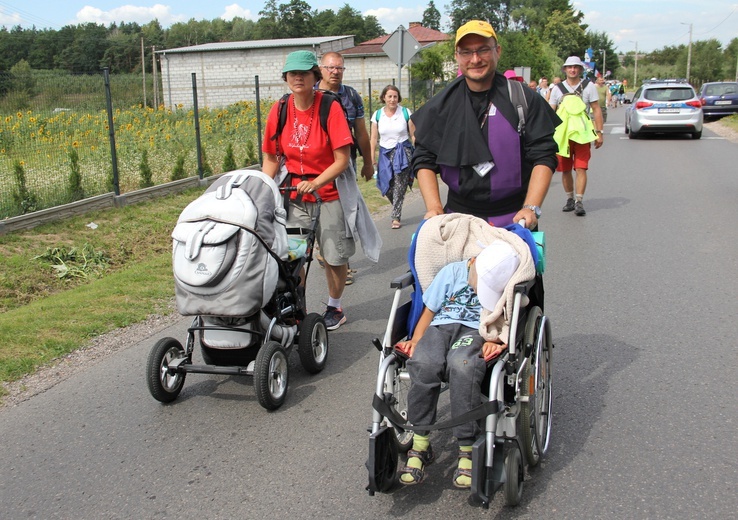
[52,156]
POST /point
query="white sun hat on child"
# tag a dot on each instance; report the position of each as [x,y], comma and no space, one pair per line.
[495,266]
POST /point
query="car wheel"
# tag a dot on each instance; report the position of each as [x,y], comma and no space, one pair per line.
[697,135]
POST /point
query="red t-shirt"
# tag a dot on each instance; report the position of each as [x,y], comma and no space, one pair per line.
[302,129]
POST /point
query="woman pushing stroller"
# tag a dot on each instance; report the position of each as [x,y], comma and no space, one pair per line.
[316,154]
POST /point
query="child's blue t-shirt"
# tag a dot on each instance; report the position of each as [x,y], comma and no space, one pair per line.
[451,298]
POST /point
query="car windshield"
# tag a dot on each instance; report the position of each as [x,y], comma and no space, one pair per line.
[721,90]
[668,94]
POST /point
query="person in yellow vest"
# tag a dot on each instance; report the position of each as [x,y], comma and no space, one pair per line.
[581,152]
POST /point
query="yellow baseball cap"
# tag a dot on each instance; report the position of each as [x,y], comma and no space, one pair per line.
[479,27]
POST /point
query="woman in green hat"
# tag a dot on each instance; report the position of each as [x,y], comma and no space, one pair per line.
[314,158]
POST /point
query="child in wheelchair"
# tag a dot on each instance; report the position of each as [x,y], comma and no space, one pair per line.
[448,344]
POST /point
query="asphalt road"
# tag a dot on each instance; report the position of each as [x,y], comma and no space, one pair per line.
[642,296]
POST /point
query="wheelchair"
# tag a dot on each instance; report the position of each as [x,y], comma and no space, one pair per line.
[515,415]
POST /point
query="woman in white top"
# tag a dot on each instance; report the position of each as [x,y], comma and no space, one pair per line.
[393,130]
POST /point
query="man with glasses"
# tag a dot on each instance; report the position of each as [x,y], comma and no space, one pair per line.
[468,133]
[332,66]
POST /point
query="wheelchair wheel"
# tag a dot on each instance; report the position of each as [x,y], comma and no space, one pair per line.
[535,414]
[545,354]
[513,476]
[313,343]
[164,387]
[401,386]
[271,375]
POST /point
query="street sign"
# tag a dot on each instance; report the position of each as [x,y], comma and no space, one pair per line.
[401,46]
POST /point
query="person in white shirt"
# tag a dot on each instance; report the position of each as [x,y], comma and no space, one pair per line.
[393,131]
[544,89]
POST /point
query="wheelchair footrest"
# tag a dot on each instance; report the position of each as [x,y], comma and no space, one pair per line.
[486,481]
[382,462]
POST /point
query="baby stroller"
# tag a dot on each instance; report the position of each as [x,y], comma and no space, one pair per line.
[239,274]
[515,416]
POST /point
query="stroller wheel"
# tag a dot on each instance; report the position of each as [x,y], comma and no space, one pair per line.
[163,384]
[313,343]
[271,375]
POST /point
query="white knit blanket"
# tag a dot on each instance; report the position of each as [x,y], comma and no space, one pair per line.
[453,237]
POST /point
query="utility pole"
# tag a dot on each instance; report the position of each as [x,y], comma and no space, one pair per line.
[689,50]
[604,62]
[635,70]
[143,69]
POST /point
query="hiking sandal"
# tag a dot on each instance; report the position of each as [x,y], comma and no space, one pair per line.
[462,472]
[418,474]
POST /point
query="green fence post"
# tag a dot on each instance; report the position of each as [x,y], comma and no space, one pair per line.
[111,131]
[197,127]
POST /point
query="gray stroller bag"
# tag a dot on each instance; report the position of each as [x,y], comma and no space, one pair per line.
[221,247]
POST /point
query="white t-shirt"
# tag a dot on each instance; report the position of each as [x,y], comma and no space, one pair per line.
[392,130]
[589,94]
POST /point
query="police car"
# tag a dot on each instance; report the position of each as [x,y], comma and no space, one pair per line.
[664,106]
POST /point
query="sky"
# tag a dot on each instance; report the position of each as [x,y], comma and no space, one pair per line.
[645,24]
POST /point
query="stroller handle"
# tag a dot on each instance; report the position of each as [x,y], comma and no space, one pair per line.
[294,188]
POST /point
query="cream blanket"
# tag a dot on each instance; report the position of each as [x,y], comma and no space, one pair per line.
[453,237]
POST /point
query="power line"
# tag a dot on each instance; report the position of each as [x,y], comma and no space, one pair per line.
[721,23]
[26,16]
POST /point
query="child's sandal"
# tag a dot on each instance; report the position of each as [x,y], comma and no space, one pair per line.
[418,474]
[462,472]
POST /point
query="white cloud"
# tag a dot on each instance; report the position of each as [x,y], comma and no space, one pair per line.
[10,20]
[128,13]
[234,10]
[390,19]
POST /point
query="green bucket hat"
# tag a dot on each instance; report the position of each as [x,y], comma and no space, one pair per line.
[300,60]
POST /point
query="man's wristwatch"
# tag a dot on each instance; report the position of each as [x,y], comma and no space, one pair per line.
[534,209]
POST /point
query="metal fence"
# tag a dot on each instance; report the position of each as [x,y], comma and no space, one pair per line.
[66,138]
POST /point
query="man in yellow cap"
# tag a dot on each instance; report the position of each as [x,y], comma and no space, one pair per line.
[469,134]
[493,146]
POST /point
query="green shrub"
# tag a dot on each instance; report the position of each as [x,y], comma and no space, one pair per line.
[75,177]
[145,171]
[251,156]
[229,161]
[207,170]
[26,201]
[179,169]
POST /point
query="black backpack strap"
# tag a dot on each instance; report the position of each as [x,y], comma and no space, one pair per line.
[281,118]
[325,108]
[517,98]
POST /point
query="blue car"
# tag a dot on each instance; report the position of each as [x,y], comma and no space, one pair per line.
[719,98]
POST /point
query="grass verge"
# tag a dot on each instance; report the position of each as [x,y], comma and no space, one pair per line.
[43,317]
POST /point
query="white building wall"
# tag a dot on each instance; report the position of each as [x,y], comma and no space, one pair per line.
[227,77]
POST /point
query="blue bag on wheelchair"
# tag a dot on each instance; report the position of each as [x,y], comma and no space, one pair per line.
[540,239]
